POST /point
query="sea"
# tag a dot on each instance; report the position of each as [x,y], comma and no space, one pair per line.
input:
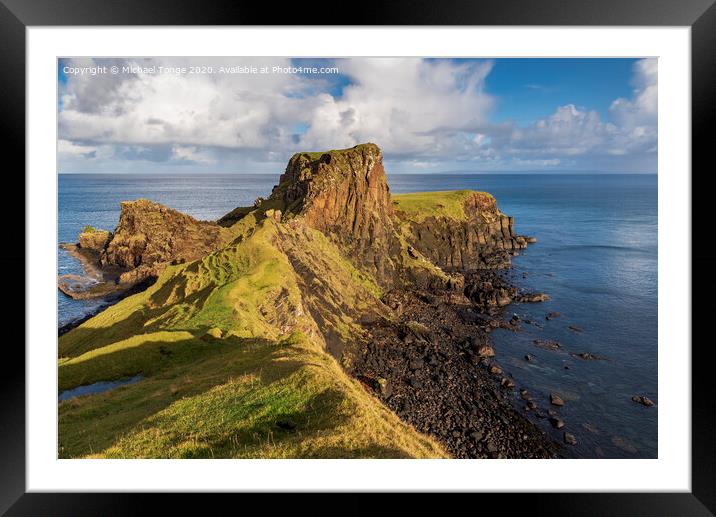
[595,256]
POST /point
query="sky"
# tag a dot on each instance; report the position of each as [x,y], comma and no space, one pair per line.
[249,115]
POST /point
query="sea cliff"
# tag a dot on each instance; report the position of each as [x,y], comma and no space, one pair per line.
[330,319]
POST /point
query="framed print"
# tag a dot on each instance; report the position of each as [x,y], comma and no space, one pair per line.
[450,253]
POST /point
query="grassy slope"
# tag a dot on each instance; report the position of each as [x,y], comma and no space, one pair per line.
[419,205]
[204,396]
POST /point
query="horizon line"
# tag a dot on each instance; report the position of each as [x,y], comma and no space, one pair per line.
[454,172]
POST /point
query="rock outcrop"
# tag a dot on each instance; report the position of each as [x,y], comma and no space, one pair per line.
[399,240]
[345,195]
[94,240]
[470,234]
[149,236]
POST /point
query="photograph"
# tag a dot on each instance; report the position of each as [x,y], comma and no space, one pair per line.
[356,257]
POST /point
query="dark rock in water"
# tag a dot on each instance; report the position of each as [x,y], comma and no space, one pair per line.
[575,328]
[524,395]
[507,383]
[570,439]
[529,358]
[531,404]
[515,319]
[530,240]
[556,422]
[586,356]
[495,370]
[592,429]
[534,298]
[624,445]
[286,423]
[546,344]
[555,399]
[552,315]
[643,400]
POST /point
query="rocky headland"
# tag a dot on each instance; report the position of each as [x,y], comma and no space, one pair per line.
[401,291]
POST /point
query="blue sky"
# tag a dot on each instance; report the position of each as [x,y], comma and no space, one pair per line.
[428,115]
[529,89]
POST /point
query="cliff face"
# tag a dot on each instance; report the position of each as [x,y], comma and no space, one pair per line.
[150,235]
[345,195]
[462,229]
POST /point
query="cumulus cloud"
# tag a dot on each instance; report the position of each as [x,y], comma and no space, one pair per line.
[192,154]
[409,106]
[421,111]
[574,135]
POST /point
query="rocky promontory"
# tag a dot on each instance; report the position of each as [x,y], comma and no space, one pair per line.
[148,237]
[402,291]
[461,229]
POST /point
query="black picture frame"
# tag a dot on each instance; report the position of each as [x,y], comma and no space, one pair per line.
[700,15]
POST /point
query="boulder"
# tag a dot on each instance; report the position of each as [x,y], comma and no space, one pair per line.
[556,400]
[570,439]
[643,400]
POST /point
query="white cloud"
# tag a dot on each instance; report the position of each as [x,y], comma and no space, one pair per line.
[192,154]
[421,112]
[572,132]
[642,109]
[408,106]
[66,148]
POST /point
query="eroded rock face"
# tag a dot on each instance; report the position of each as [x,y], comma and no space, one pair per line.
[345,195]
[94,240]
[484,240]
[149,236]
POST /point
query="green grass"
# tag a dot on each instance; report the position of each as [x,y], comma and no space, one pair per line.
[419,205]
[89,229]
[263,360]
[317,154]
[227,403]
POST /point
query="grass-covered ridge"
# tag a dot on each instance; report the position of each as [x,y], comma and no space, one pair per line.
[233,359]
[419,205]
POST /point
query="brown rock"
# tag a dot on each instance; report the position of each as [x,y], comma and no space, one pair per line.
[149,236]
[555,399]
[485,350]
[94,240]
[557,423]
[643,400]
[570,439]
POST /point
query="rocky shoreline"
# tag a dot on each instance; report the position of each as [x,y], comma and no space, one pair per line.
[421,346]
[435,367]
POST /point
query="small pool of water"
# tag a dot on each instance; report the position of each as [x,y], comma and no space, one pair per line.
[97,387]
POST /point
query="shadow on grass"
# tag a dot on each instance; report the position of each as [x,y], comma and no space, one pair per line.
[93,423]
[83,338]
